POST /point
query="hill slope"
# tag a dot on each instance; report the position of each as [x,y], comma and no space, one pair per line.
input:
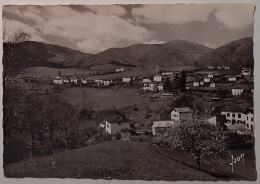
[42,54]
[174,53]
[237,53]
[110,160]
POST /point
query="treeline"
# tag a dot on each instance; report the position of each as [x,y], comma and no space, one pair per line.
[178,82]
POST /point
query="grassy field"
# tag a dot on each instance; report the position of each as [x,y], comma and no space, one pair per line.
[53,72]
[242,170]
[139,107]
[109,160]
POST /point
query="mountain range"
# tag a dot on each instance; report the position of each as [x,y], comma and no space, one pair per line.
[173,53]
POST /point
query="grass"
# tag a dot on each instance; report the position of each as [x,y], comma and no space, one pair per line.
[122,98]
[53,72]
[242,170]
[109,160]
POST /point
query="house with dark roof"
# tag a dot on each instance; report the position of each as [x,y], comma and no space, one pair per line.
[116,124]
[181,113]
[161,126]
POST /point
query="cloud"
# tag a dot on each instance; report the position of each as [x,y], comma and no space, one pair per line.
[210,45]
[234,16]
[91,31]
[108,9]
[94,28]
[153,42]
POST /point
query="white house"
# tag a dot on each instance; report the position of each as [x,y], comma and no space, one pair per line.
[250,121]
[106,82]
[195,83]
[234,116]
[103,124]
[157,78]
[160,87]
[161,126]
[212,85]
[74,80]
[66,81]
[167,73]
[201,83]
[210,75]
[226,67]
[126,79]
[179,114]
[84,81]
[99,82]
[246,71]
[231,78]
[116,127]
[58,80]
[206,79]
[149,86]
[119,70]
[237,91]
[147,80]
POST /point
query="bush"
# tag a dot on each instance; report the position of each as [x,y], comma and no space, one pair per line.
[118,136]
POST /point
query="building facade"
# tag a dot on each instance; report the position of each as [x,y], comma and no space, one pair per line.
[181,113]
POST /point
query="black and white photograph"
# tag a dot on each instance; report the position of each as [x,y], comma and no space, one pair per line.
[152,92]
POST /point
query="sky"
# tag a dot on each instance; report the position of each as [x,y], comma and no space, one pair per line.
[95,28]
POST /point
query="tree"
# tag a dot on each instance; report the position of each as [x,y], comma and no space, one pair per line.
[12,65]
[182,82]
[197,138]
[30,114]
[167,85]
[176,83]
[12,56]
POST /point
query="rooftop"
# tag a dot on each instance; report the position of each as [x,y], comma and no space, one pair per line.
[183,109]
[163,124]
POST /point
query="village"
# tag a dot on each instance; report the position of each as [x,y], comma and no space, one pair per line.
[221,84]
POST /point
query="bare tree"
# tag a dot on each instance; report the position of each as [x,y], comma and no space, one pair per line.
[197,138]
[12,65]
[12,56]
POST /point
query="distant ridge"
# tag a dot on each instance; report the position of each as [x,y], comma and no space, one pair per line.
[238,53]
[170,54]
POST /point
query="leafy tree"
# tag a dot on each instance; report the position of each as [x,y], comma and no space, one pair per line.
[167,85]
[196,138]
[221,93]
[182,83]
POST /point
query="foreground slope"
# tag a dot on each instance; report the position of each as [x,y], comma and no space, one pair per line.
[109,160]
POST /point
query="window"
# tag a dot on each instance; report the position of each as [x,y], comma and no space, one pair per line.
[233,115]
[247,125]
[239,115]
[247,118]
[252,119]
[228,114]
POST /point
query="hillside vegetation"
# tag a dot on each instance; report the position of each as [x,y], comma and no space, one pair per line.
[237,53]
[126,160]
[175,53]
